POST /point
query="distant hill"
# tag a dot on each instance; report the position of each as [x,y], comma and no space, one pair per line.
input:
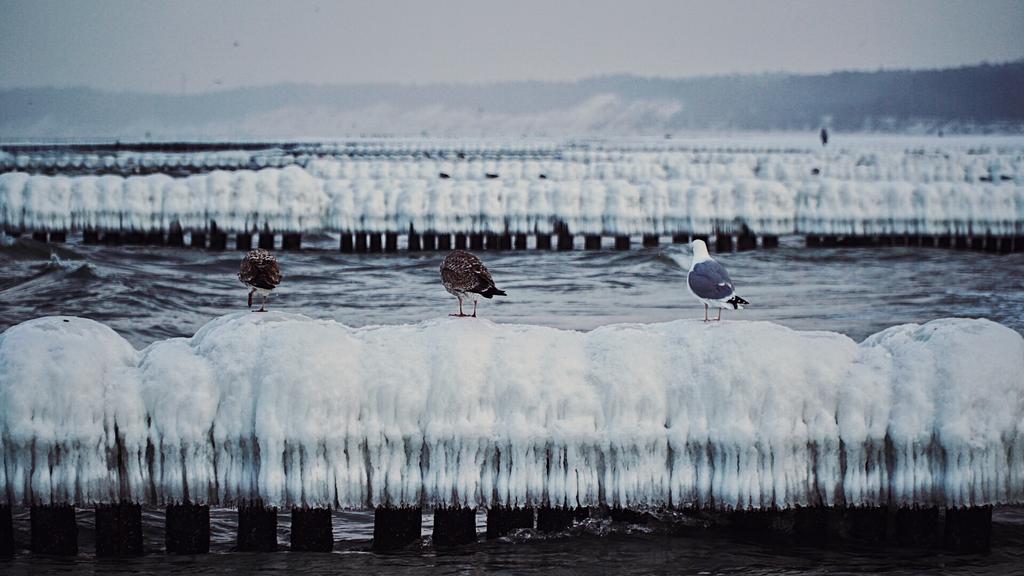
[983,98]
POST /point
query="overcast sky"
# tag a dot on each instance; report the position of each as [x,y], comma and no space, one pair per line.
[198,46]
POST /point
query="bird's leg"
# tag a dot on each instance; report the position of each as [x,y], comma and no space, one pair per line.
[474,308]
[719,319]
[460,314]
[250,296]
[705,312]
[263,305]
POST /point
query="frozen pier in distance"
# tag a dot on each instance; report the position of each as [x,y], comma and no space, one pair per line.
[493,196]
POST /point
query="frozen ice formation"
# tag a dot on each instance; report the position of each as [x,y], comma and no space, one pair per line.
[296,410]
[293,199]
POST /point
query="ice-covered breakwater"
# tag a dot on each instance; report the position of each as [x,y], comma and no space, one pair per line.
[296,200]
[293,410]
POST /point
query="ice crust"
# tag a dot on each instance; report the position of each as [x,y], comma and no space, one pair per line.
[295,410]
[294,199]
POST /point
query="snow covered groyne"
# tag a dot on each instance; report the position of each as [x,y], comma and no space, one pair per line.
[294,200]
[292,410]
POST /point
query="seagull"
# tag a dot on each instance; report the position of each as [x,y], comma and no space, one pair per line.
[710,283]
[260,272]
[465,276]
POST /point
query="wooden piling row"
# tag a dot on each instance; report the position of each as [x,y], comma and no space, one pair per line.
[187,529]
[54,530]
[454,526]
[395,528]
[504,520]
[118,530]
[560,239]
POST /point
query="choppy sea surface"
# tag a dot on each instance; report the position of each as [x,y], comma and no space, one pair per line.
[148,293]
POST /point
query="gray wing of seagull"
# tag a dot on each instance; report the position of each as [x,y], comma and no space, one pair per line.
[710,280]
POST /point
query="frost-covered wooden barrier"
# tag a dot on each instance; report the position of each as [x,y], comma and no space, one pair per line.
[533,424]
[421,196]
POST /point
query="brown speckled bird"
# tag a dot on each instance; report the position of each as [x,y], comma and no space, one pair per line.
[465,276]
[260,272]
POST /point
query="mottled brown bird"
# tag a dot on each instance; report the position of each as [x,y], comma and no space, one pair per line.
[260,272]
[466,277]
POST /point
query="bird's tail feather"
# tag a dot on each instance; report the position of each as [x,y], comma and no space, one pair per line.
[736,302]
[492,291]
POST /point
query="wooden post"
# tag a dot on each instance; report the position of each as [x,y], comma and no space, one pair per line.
[39,236]
[476,241]
[627,516]
[812,240]
[59,236]
[90,236]
[414,241]
[111,237]
[176,235]
[311,529]
[492,241]
[968,530]
[723,242]
[811,525]
[347,243]
[6,531]
[917,527]
[198,239]
[460,241]
[622,242]
[977,243]
[118,529]
[154,238]
[592,242]
[187,529]
[505,242]
[391,242]
[257,527]
[554,519]
[681,238]
[444,242]
[376,242]
[54,530]
[396,528]
[865,524]
[361,242]
[266,240]
[746,241]
[960,243]
[565,241]
[455,526]
[543,241]
[429,241]
[769,241]
[291,241]
[502,521]
[944,241]
[651,240]
[519,242]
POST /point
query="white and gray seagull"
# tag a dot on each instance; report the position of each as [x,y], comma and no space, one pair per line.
[710,283]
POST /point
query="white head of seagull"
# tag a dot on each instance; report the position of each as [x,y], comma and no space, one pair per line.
[710,283]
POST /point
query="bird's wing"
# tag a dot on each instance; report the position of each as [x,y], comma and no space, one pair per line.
[273,272]
[710,280]
[245,271]
[266,275]
[483,278]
